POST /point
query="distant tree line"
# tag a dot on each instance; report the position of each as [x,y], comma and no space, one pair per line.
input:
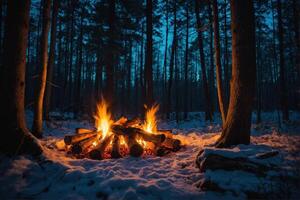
[138,52]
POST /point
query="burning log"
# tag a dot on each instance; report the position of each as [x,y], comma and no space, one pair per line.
[161,151]
[122,120]
[133,131]
[155,139]
[133,122]
[115,153]
[71,139]
[84,130]
[135,149]
[83,145]
[98,151]
[167,133]
[173,144]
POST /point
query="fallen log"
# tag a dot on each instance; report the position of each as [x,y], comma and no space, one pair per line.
[266,155]
[99,149]
[71,139]
[115,151]
[173,144]
[83,145]
[216,161]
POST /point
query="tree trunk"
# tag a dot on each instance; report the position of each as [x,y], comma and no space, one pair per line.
[77,107]
[37,126]
[218,63]
[258,76]
[1,49]
[211,76]
[128,93]
[226,68]
[16,137]
[110,58]
[296,17]
[51,59]
[170,81]
[208,114]
[142,96]
[186,64]
[149,60]
[283,89]
[70,96]
[238,121]
[165,58]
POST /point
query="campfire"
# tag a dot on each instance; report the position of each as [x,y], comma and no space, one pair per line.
[116,139]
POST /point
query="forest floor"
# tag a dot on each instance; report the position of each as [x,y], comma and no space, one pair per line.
[58,176]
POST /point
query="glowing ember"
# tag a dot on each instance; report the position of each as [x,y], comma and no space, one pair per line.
[122,140]
[95,143]
[103,119]
[150,124]
[142,142]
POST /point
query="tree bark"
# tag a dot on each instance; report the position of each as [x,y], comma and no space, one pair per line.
[77,108]
[218,62]
[283,89]
[171,70]
[51,59]
[165,58]
[208,113]
[226,68]
[238,121]
[129,70]
[37,126]
[211,73]
[1,9]
[296,17]
[186,64]
[149,60]
[110,58]
[16,137]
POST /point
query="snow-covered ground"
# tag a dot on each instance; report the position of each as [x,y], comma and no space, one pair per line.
[175,176]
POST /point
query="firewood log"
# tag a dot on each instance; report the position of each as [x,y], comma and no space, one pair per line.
[161,151]
[122,120]
[115,147]
[83,130]
[135,149]
[83,145]
[71,139]
[98,151]
[156,139]
[171,143]
[133,122]
[120,130]
[167,133]
[133,131]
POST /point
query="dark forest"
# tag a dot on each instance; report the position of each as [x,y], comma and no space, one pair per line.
[152,79]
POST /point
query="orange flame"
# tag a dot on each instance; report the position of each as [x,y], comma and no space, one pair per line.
[142,142]
[150,123]
[103,119]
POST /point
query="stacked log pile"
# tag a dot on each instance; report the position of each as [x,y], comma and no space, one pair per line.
[90,143]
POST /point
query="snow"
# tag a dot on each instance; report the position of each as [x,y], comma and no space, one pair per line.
[56,175]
